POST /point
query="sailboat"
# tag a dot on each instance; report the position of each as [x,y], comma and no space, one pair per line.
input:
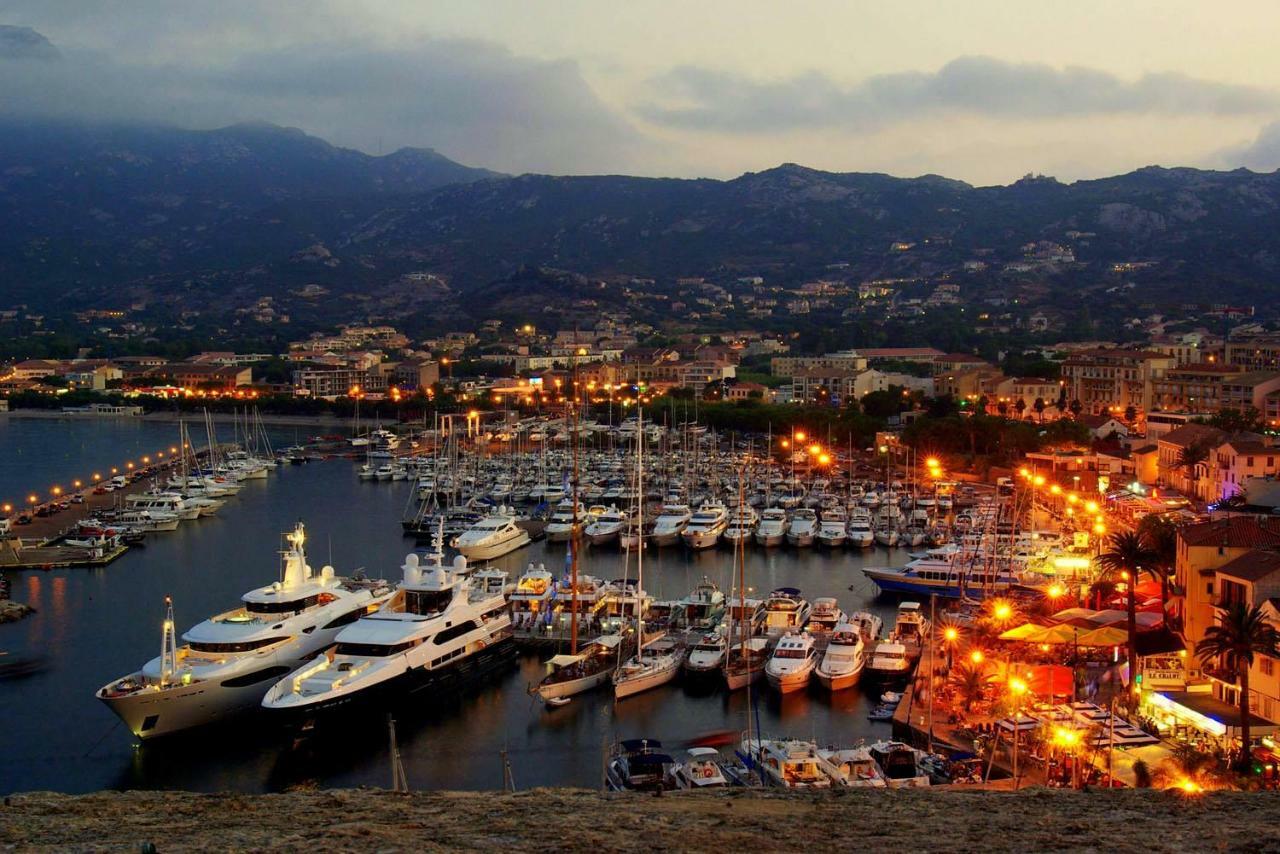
[653,664]
[743,663]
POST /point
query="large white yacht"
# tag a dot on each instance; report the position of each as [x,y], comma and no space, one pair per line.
[792,662]
[772,529]
[706,526]
[560,526]
[163,502]
[842,663]
[492,537]
[803,527]
[832,531]
[670,523]
[434,633]
[860,533]
[228,662]
[742,526]
[605,527]
[785,610]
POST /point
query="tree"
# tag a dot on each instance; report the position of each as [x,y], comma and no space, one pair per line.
[970,680]
[1129,554]
[1130,414]
[1020,405]
[1247,420]
[1240,634]
[981,404]
[1189,458]
[1162,536]
[1003,408]
[1039,406]
[1076,408]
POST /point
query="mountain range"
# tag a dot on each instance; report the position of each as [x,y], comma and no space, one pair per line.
[91,212]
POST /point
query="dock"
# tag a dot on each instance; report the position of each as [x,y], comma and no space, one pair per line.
[17,554]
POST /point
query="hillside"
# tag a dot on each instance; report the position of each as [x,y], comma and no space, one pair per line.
[93,214]
[560,820]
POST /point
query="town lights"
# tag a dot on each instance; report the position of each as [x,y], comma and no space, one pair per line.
[1091,506]
[32,499]
[57,490]
[814,450]
[1056,591]
[932,462]
[1055,489]
[976,656]
[128,465]
[785,444]
[8,508]
[950,633]
[76,484]
[115,470]
[824,459]
[884,449]
[96,477]
[1017,687]
[1038,480]
[1099,528]
[799,436]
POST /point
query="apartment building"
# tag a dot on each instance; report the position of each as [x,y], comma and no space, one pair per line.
[1105,378]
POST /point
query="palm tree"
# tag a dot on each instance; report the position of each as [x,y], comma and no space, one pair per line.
[1129,555]
[1076,407]
[1003,408]
[1040,406]
[1162,536]
[970,680]
[1189,458]
[1240,634]
[1021,405]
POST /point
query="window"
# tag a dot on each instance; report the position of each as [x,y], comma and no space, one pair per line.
[426,602]
[244,646]
[280,607]
[373,650]
[346,619]
[1267,665]
[453,632]
[256,677]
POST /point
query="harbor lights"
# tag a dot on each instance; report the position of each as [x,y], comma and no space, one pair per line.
[815,449]
[115,470]
[56,491]
[76,484]
[824,459]
[950,637]
[8,508]
[129,465]
[146,460]
[1017,689]
[96,477]
[173,449]
[32,499]
[977,657]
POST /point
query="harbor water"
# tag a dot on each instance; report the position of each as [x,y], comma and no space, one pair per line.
[94,625]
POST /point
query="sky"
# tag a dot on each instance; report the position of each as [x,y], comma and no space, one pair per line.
[980,90]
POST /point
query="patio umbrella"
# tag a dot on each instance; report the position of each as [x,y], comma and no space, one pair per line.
[1073,614]
[1105,636]
[1021,632]
[1148,619]
[1106,618]
[1054,634]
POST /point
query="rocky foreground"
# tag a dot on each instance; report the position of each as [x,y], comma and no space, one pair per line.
[555,820]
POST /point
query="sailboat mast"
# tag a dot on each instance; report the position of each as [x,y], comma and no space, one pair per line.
[575,529]
[639,530]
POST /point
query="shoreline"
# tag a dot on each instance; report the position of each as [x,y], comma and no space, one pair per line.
[774,820]
[174,417]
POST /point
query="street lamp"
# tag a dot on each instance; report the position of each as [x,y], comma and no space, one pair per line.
[1016,688]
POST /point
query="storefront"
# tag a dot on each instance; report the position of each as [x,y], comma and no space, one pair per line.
[1198,718]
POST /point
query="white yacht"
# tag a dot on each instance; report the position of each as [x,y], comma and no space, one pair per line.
[146,520]
[670,524]
[842,663]
[605,527]
[860,533]
[792,662]
[702,608]
[832,531]
[790,763]
[706,526]
[889,661]
[785,610]
[560,526]
[532,597]
[772,529]
[857,766]
[803,527]
[825,616]
[742,526]
[493,536]
[706,657]
[228,662]
[433,634]
[163,502]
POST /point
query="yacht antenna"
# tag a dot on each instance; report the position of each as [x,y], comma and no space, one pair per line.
[168,645]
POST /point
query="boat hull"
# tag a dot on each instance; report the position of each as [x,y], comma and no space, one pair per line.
[495,550]
[646,681]
[573,687]
[152,714]
[416,689]
[837,681]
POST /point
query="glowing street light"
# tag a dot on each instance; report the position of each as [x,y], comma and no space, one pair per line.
[57,490]
[976,656]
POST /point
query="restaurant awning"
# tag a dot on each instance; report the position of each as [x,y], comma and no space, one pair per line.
[1054,634]
[1207,713]
[1105,636]
[1021,632]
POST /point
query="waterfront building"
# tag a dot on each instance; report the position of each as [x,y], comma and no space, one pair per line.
[1104,378]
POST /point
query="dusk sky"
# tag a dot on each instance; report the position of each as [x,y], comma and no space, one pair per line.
[982,90]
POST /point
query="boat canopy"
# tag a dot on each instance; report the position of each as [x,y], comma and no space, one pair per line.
[564,660]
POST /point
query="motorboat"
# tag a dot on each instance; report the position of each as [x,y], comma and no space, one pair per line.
[742,527]
[605,527]
[702,608]
[560,526]
[572,674]
[703,768]
[791,763]
[869,625]
[495,535]
[785,610]
[641,765]
[859,530]
[772,530]
[532,597]
[792,662]
[910,628]
[148,521]
[171,503]
[832,529]
[889,661]
[706,657]
[433,635]
[843,659]
[803,527]
[824,616]
[227,663]
[670,524]
[706,526]
[901,764]
[857,767]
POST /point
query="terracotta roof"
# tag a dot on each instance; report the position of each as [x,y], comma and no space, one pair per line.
[1234,532]
[1188,434]
[1252,565]
[1146,449]
[1118,353]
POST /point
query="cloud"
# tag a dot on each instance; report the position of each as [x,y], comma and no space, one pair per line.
[1261,155]
[702,99]
[469,99]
